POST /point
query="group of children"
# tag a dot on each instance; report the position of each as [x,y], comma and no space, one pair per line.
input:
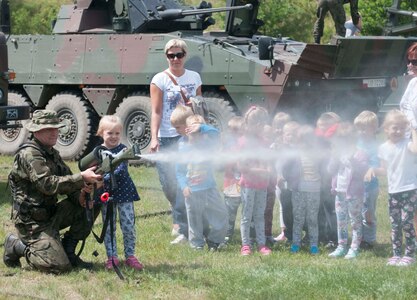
[290,160]
[286,161]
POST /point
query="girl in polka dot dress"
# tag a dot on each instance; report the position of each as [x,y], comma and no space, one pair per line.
[123,196]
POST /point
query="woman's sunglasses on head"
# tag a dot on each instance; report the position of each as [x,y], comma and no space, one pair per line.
[178,55]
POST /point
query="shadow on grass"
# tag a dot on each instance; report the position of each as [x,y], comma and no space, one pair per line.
[5,197]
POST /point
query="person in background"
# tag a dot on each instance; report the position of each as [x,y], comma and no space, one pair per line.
[168,89]
[38,176]
[206,211]
[348,165]
[123,196]
[352,29]
[278,122]
[366,124]
[286,152]
[269,136]
[303,176]
[254,180]
[398,155]
[231,185]
[338,14]
[326,127]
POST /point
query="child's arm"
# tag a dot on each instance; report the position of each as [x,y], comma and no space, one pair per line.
[181,175]
[381,170]
[413,145]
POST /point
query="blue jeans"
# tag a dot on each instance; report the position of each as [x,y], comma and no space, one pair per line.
[166,170]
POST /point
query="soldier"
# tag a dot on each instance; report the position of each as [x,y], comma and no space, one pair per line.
[338,14]
[37,177]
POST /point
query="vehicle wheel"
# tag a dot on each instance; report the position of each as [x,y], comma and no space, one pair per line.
[12,138]
[135,112]
[220,110]
[81,123]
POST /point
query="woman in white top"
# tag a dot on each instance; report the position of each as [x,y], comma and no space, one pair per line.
[165,96]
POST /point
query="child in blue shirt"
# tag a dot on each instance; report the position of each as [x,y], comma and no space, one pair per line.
[206,211]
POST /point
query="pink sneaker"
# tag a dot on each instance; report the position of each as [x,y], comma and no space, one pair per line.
[264,250]
[245,250]
[109,265]
[133,262]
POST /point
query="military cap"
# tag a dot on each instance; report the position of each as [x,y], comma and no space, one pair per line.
[42,119]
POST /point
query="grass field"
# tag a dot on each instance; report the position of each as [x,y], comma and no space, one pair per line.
[177,272]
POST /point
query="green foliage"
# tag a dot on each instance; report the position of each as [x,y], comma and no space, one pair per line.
[34,17]
[294,19]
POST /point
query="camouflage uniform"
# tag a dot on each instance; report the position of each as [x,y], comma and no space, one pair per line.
[338,14]
[37,177]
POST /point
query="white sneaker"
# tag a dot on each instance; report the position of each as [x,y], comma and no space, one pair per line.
[181,239]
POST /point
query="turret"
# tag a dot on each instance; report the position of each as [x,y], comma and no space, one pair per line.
[136,16]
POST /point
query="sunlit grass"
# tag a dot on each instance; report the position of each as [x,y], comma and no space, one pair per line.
[181,273]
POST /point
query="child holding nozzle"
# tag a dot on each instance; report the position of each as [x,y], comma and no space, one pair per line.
[123,195]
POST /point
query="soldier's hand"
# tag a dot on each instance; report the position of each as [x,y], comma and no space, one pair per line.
[89,176]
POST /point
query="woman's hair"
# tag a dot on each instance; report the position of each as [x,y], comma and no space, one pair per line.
[255,115]
[176,43]
[395,116]
[280,119]
[366,119]
[108,121]
[412,52]
[180,115]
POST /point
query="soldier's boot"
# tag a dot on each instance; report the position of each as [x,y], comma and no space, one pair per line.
[70,245]
[14,249]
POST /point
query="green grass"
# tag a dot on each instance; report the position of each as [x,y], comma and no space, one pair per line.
[181,273]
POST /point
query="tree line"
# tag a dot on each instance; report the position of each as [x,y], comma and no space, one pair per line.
[286,18]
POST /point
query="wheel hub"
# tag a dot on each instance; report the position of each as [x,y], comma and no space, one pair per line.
[137,132]
[68,133]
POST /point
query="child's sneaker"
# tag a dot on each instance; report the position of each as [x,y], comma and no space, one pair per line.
[295,248]
[133,262]
[109,265]
[406,261]
[352,254]
[314,250]
[245,250]
[393,261]
[264,250]
[339,252]
[181,239]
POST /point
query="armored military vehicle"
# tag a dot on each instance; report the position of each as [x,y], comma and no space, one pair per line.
[9,114]
[102,55]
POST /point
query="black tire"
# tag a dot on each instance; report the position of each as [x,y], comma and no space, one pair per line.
[12,138]
[79,133]
[135,112]
[220,110]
